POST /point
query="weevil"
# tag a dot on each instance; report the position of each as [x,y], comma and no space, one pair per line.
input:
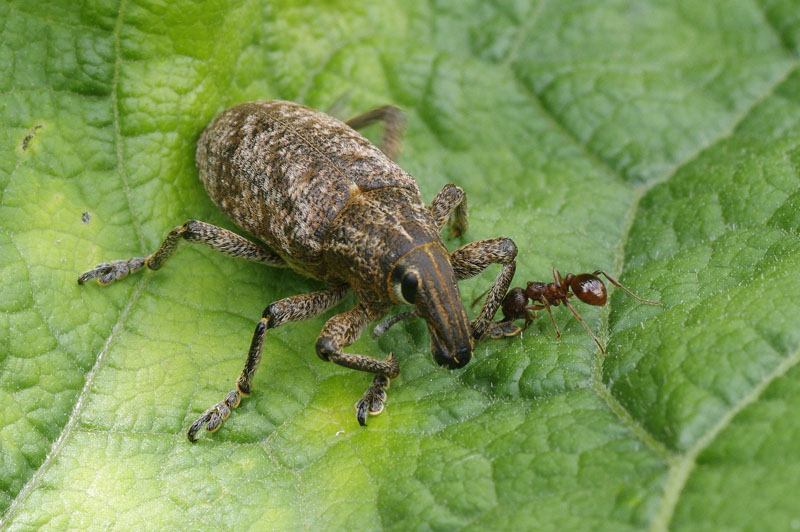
[333,207]
[587,287]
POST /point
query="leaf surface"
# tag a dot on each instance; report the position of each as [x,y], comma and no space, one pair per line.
[655,140]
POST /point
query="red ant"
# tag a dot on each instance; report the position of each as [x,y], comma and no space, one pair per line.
[586,286]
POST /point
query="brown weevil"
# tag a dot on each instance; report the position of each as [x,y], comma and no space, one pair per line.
[586,286]
[332,206]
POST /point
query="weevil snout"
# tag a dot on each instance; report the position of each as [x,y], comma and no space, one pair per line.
[450,357]
[424,278]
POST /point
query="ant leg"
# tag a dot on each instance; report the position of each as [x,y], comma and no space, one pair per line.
[617,283]
[475,301]
[515,306]
[546,306]
[395,122]
[575,312]
[344,329]
[294,308]
[471,259]
[214,237]
[528,317]
[509,329]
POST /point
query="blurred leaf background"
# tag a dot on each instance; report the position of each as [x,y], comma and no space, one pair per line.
[658,140]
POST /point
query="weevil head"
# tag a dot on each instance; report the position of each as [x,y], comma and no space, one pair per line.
[423,277]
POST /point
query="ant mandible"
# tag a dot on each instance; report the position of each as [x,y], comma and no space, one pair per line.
[586,286]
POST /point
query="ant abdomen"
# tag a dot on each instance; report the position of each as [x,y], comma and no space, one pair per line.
[589,289]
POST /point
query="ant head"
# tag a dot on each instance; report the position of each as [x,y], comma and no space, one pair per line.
[589,289]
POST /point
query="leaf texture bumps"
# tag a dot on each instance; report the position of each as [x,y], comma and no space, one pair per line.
[656,140]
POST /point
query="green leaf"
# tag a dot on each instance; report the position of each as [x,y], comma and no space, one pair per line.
[659,141]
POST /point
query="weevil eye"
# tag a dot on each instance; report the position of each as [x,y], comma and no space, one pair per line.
[408,286]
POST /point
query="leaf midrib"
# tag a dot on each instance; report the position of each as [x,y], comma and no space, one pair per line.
[74,416]
[681,470]
[680,464]
[102,355]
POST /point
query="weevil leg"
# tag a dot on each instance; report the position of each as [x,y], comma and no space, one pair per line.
[503,329]
[451,200]
[344,329]
[217,238]
[294,308]
[381,328]
[395,122]
[471,259]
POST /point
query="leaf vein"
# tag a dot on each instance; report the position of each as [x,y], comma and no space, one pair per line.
[725,134]
[783,39]
[60,442]
[682,468]
[566,132]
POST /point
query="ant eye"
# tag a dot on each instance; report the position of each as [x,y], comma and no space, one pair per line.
[589,289]
[408,286]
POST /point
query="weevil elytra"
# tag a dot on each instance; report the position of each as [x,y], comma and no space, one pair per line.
[332,206]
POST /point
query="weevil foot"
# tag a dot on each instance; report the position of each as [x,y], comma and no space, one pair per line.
[481,328]
[214,416]
[502,330]
[108,272]
[373,400]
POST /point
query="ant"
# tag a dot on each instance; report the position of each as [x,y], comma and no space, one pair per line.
[586,286]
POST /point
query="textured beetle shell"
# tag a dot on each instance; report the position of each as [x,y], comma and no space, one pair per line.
[283,172]
[371,233]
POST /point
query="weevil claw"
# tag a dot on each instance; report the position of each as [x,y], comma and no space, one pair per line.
[503,330]
[361,412]
[373,400]
[214,416]
[108,272]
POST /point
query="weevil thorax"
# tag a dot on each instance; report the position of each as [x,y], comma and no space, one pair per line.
[387,248]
